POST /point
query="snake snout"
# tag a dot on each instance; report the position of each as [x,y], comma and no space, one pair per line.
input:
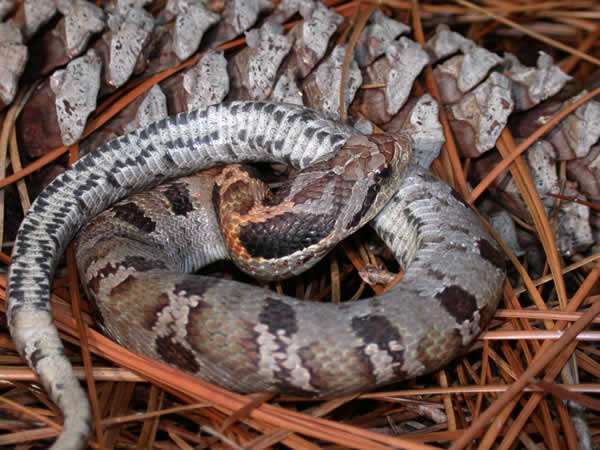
[396,149]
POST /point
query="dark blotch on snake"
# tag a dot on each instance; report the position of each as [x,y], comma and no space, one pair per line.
[115,145]
[375,329]
[436,274]
[133,214]
[168,160]
[179,198]
[141,264]
[161,124]
[321,135]
[216,202]
[284,234]
[459,303]
[124,286]
[182,119]
[309,132]
[413,220]
[176,354]
[152,315]
[367,203]
[457,196]
[112,180]
[378,330]
[196,286]
[137,263]
[491,254]
[36,356]
[278,315]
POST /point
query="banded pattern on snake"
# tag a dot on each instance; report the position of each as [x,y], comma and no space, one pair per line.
[453,280]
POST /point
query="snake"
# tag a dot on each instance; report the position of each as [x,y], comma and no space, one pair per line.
[134,258]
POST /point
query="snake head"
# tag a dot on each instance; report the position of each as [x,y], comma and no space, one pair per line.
[397,151]
[377,163]
[321,205]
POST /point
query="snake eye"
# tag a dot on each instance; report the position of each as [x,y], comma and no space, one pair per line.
[384,173]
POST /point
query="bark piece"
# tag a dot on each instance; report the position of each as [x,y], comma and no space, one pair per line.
[370,103]
[68,39]
[480,116]
[586,172]
[406,59]
[37,13]
[127,37]
[573,233]
[143,110]
[445,42]
[123,6]
[286,89]
[312,36]
[375,37]
[531,120]
[532,85]
[38,130]
[420,119]
[76,89]
[152,109]
[503,224]
[207,82]
[255,67]
[241,15]
[541,161]
[322,87]
[193,19]
[363,125]
[284,10]
[13,56]
[82,20]
[446,77]
[461,73]
[574,136]
[182,26]
[476,64]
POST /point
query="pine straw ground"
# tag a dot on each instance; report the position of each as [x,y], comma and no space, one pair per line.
[517,388]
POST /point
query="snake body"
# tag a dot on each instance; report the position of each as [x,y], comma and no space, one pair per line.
[241,337]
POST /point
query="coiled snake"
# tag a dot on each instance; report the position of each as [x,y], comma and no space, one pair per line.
[245,338]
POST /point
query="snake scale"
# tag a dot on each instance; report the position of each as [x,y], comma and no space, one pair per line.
[242,337]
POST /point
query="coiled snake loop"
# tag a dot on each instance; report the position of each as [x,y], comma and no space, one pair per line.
[241,337]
